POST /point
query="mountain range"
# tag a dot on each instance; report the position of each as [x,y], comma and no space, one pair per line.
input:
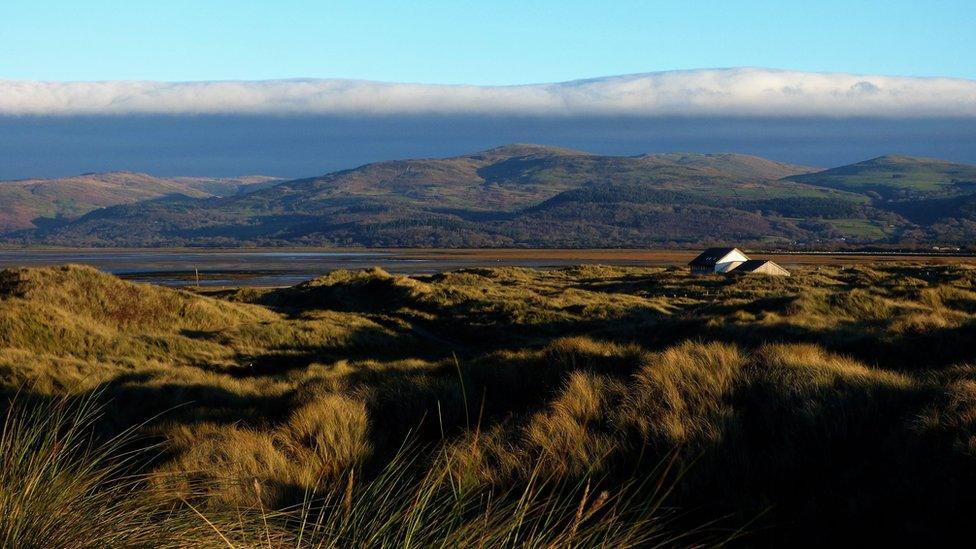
[524,195]
[27,203]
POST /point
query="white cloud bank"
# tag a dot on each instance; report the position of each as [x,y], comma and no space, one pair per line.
[722,92]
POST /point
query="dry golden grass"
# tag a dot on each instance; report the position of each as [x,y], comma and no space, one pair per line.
[679,394]
[798,400]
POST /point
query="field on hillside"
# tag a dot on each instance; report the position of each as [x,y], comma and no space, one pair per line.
[580,406]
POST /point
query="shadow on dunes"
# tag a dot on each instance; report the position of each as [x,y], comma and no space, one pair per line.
[831,407]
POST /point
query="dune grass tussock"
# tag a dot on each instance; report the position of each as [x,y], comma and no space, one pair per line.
[837,400]
[59,488]
[575,433]
[679,394]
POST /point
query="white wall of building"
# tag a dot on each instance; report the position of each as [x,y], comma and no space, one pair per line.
[730,261]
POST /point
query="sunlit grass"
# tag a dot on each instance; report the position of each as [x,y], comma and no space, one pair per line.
[279,417]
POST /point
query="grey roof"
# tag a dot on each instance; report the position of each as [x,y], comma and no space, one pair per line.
[752,265]
[710,257]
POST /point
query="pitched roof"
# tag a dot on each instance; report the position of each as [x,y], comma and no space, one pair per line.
[711,256]
[753,264]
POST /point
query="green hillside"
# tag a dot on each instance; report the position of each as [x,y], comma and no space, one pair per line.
[532,195]
[898,177]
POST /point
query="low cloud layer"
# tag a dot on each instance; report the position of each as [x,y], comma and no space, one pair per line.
[721,92]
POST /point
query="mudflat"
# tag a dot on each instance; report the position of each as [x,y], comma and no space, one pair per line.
[285,266]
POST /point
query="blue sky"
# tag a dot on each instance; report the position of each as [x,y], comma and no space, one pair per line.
[486,42]
[50,126]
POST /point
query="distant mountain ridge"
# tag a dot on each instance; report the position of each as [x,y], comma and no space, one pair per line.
[534,195]
[26,203]
[739,165]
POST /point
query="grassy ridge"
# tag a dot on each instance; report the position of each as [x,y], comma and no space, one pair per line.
[830,406]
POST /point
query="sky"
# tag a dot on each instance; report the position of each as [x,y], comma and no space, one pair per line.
[300,88]
[498,42]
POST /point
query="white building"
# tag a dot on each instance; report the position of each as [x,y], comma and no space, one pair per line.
[717,260]
[731,260]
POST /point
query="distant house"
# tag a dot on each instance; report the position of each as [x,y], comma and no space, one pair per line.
[732,260]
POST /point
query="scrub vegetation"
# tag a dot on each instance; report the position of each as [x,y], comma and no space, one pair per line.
[583,406]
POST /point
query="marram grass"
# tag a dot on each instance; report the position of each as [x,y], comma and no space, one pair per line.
[836,404]
[61,487]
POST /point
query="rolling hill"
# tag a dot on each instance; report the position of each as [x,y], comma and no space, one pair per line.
[30,203]
[898,178]
[739,165]
[532,195]
[928,193]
